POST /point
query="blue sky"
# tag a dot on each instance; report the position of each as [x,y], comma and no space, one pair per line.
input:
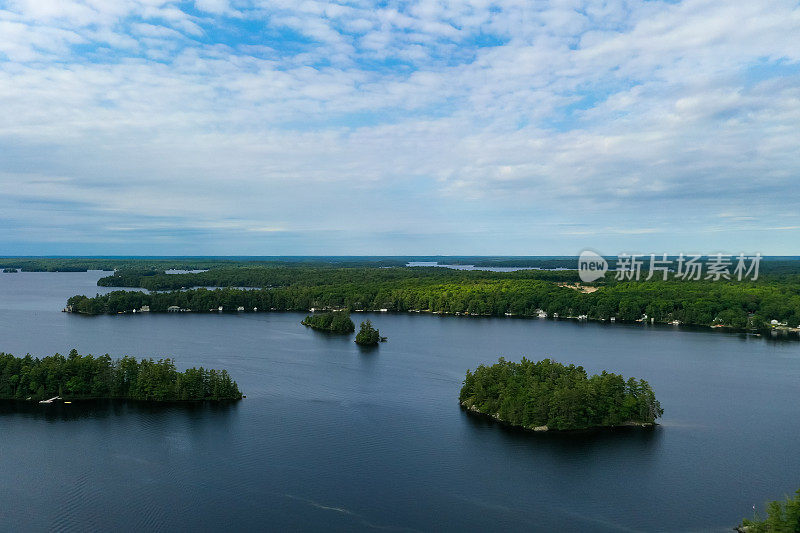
[214,127]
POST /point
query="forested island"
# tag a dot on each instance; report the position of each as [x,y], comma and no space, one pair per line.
[547,395]
[782,517]
[368,335]
[745,305]
[87,377]
[338,322]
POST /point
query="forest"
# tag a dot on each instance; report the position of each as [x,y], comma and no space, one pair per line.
[782,517]
[155,265]
[338,322]
[739,305]
[284,275]
[546,393]
[87,377]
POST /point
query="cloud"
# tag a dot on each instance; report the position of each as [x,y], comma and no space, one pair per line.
[229,120]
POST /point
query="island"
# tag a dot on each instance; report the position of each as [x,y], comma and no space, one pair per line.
[82,377]
[782,517]
[333,322]
[547,395]
[368,336]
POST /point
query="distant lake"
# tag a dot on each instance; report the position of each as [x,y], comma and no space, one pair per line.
[335,438]
[473,267]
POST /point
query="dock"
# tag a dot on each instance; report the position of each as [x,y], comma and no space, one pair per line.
[51,400]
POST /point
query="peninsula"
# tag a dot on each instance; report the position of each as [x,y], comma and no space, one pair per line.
[769,303]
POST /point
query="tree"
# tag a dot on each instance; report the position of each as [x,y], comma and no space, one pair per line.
[367,335]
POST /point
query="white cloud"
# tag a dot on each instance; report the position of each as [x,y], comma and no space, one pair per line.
[129,110]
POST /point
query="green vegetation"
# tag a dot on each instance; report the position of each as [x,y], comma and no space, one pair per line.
[294,275]
[770,266]
[368,336]
[84,376]
[546,393]
[160,264]
[10,270]
[782,517]
[334,322]
[737,305]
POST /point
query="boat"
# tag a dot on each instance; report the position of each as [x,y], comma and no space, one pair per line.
[51,400]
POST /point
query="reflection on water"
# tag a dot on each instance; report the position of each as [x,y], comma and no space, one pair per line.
[99,409]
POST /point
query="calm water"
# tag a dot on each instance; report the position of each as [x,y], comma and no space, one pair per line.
[331,437]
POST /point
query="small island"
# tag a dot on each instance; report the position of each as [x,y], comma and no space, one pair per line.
[368,336]
[547,395]
[84,377]
[334,322]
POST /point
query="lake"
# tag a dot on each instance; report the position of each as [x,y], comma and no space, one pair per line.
[333,437]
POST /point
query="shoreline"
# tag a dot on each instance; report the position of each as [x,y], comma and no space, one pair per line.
[580,318]
[471,410]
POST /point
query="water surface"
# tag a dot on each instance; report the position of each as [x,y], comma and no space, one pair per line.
[338,438]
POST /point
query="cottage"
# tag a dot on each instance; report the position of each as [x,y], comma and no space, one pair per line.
[173,309]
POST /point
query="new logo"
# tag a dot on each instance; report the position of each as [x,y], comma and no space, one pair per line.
[591,266]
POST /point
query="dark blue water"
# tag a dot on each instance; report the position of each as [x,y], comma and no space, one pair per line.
[332,437]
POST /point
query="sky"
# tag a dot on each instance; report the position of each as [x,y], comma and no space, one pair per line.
[255,127]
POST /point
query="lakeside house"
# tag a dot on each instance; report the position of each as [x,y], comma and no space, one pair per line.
[173,309]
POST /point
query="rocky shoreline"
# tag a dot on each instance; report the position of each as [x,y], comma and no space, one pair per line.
[471,409]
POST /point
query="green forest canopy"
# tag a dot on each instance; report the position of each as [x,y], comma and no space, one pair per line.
[85,376]
[739,305]
[782,517]
[334,322]
[546,393]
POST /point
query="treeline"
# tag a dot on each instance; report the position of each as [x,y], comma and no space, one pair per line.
[770,266]
[782,517]
[312,276]
[335,322]
[84,377]
[739,305]
[68,264]
[546,393]
[160,264]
